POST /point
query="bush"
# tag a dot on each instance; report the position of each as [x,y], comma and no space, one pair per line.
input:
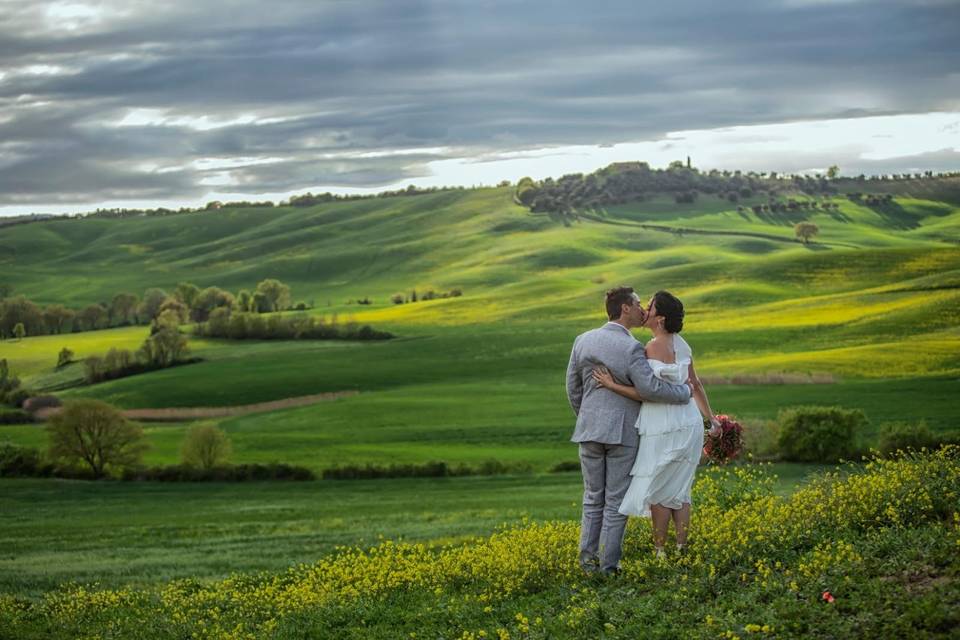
[205,446]
[17,461]
[902,436]
[820,434]
[760,439]
[64,358]
[566,465]
[224,473]
[426,470]
[15,416]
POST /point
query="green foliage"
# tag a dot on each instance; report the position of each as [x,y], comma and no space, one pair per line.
[820,434]
[433,469]
[805,231]
[903,436]
[209,299]
[21,462]
[94,434]
[254,472]
[15,416]
[247,326]
[205,446]
[275,296]
[65,357]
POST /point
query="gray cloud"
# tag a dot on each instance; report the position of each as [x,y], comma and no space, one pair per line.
[326,81]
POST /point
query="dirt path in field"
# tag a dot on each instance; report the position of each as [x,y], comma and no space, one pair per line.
[176,414]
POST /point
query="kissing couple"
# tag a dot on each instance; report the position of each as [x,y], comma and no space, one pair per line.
[640,412]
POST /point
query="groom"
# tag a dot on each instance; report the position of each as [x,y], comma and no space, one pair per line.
[606,424]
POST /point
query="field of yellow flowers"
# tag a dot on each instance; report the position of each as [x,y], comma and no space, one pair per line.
[868,552]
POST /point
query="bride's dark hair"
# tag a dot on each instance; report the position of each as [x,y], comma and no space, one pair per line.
[670,307]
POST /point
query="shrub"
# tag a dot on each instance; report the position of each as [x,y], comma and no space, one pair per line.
[17,461]
[15,416]
[205,446]
[64,358]
[760,439]
[820,434]
[566,465]
[902,436]
[223,473]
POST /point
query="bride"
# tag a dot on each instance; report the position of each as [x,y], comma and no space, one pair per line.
[671,435]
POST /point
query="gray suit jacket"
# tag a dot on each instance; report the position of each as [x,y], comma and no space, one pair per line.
[603,415]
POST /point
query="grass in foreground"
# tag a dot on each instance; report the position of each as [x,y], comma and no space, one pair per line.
[883,542]
[140,534]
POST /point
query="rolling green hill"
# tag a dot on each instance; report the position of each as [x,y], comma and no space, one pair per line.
[872,305]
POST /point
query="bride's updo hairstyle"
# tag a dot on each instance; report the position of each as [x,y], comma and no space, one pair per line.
[670,307]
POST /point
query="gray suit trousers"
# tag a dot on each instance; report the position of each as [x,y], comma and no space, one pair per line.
[606,476]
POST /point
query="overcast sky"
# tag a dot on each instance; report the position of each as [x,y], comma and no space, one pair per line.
[136,103]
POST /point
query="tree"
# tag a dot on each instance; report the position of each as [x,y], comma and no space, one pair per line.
[805,231]
[93,317]
[276,292]
[56,317]
[20,310]
[166,345]
[64,358]
[208,300]
[18,331]
[93,433]
[244,301]
[186,292]
[150,306]
[123,309]
[179,310]
[833,172]
[205,446]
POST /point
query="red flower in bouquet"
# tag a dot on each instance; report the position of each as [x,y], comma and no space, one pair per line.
[725,445]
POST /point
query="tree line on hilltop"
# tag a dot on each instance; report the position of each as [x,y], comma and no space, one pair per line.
[624,182]
[21,317]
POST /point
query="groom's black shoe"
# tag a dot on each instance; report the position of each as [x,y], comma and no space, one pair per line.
[612,573]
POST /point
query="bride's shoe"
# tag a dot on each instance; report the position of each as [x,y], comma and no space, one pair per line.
[661,554]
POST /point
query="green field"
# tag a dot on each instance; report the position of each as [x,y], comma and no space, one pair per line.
[873,305]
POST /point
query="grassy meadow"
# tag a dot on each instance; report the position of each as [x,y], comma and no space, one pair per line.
[870,309]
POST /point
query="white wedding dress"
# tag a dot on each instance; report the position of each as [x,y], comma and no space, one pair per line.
[671,441]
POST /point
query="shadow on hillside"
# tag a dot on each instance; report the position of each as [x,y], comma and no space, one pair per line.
[896,216]
[783,218]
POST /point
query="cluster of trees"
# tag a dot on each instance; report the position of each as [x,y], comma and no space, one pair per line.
[309,199]
[632,181]
[186,302]
[165,347]
[871,200]
[429,294]
[225,323]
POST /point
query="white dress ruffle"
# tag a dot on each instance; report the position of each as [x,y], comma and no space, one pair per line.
[671,442]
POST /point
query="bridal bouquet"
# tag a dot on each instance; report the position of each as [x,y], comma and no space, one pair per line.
[726,445]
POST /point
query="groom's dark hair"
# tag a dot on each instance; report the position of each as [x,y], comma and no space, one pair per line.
[616,298]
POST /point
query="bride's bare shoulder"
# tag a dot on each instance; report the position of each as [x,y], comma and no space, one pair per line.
[660,349]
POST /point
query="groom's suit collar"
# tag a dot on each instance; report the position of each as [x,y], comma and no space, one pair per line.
[616,326]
